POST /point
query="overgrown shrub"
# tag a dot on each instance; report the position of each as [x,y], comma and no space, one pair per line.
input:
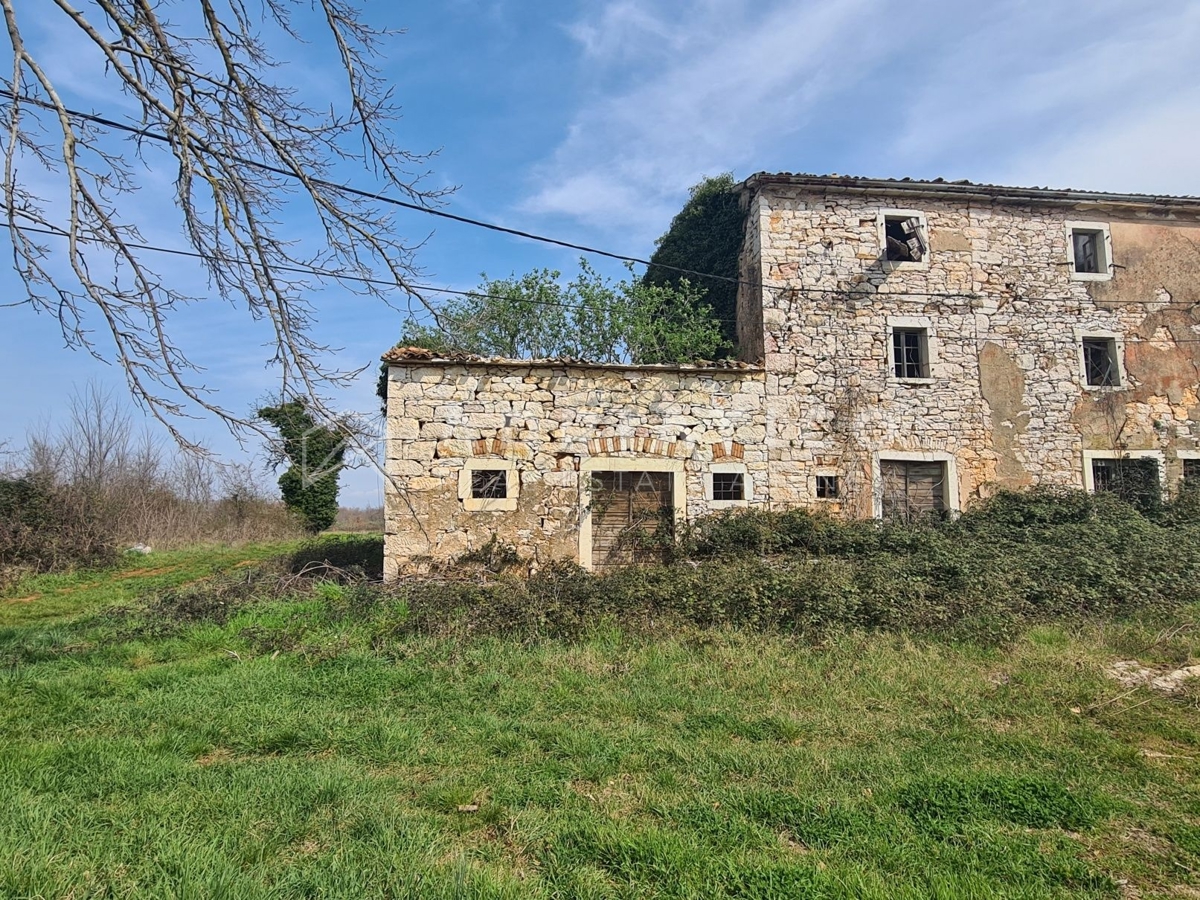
[45,527]
[1015,558]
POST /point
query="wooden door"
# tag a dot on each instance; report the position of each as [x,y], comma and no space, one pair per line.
[632,514]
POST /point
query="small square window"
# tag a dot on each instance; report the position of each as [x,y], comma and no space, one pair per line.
[728,486]
[489,484]
[904,238]
[910,352]
[828,487]
[1100,364]
[1191,472]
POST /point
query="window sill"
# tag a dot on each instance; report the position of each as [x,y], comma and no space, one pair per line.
[1091,276]
[913,381]
[727,504]
[508,504]
[1105,388]
[905,265]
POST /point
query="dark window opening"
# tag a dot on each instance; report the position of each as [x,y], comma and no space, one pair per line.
[1087,251]
[489,484]
[1191,472]
[905,239]
[910,353]
[1100,362]
[828,487]
[1135,481]
[729,486]
[913,490]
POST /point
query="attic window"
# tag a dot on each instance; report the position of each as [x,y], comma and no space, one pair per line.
[1089,251]
[904,237]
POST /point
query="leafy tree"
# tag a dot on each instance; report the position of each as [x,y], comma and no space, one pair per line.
[316,453]
[253,167]
[705,236]
[591,318]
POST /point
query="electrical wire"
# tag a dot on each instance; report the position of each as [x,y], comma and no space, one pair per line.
[370,195]
[491,226]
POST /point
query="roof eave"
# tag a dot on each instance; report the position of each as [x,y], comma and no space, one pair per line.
[971,191]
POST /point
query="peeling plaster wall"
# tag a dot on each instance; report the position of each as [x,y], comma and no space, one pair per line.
[545,421]
[1007,397]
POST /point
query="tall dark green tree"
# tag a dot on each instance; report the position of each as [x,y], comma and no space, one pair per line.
[705,236]
[316,454]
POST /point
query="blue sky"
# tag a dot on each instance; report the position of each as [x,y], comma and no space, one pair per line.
[589,121]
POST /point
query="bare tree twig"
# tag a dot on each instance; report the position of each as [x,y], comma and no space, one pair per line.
[248,155]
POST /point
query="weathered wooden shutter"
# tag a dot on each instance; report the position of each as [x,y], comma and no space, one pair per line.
[630,512]
[912,490]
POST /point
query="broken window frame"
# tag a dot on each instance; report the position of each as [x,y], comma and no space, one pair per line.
[829,487]
[903,238]
[1101,357]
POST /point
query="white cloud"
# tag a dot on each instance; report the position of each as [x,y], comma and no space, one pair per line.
[1016,90]
[1092,112]
[730,85]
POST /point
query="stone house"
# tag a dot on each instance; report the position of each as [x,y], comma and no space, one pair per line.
[907,347]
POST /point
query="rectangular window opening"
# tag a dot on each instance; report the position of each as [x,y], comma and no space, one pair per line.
[1100,362]
[1088,248]
[905,239]
[1134,479]
[728,486]
[913,491]
[910,352]
[1191,472]
[489,484]
[828,487]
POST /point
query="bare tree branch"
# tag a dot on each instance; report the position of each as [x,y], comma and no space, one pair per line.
[247,155]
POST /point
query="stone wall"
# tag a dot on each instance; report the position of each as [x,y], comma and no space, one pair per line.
[1006,400]
[547,424]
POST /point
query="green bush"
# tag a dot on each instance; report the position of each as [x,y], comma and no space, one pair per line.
[1014,559]
[45,527]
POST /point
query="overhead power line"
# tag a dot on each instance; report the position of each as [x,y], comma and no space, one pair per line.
[380,282]
[371,195]
[416,207]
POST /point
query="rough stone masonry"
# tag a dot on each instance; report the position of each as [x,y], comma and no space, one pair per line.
[1032,337]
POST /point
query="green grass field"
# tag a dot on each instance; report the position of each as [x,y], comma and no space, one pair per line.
[293,748]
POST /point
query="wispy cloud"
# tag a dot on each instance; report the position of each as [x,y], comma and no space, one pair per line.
[704,107]
[1015,90]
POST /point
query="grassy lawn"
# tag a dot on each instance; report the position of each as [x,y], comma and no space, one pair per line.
[297,749]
